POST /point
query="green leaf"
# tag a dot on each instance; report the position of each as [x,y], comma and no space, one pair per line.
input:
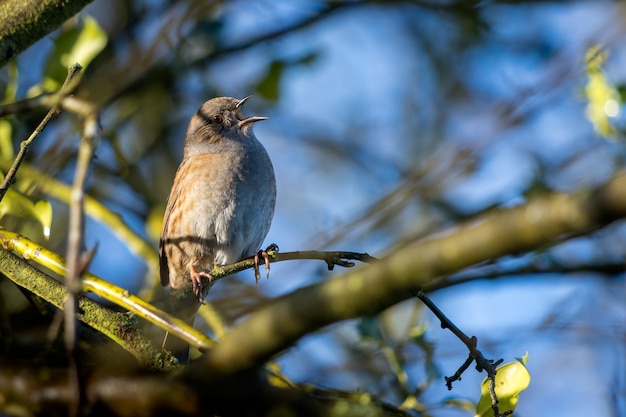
[603,97]
[10,93]
[369,328]
[81,44]
[511,379]
[461,403]
[307,59]
[6,145]
[269,87]
[19,205]
[6,130]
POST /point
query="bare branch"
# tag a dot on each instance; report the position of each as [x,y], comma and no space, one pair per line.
[75,264]
[368,290]
[475,355]
[66,89]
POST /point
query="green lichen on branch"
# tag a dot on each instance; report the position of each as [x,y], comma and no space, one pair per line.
[24,22]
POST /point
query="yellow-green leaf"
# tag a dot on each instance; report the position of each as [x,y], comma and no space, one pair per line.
[461,403]
[603,98]
[154,222]
[79,44]
[6,145]
[6,130]
[20,205]
[42,211]
[511,379]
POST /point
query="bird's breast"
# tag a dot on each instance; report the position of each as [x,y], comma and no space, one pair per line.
[235,194]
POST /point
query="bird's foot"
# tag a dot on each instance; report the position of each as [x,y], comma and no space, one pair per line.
[263,253]
[196,281]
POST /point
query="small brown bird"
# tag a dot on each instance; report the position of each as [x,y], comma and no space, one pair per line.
[222,200]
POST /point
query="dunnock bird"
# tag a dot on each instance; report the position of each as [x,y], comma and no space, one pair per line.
[222,200]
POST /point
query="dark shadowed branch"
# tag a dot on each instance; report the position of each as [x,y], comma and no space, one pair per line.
[475,355]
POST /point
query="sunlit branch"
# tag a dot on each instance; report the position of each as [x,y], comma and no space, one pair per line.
[67,88]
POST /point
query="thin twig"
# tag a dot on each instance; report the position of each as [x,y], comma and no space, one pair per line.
[332,258]
[75,265]
[476,355]
[75,244]
[66,89]
[29,104]
[71,81]
[340,258]
[276,33]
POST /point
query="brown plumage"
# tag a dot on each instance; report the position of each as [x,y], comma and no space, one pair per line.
[222,200]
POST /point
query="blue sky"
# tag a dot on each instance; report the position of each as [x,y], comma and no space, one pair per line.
[375,89]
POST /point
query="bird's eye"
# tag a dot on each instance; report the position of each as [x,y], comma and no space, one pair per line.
[218,118]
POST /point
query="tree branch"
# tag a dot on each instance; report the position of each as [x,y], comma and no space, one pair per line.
[152,395]
[24,22]
[370,289]
[67,88]
[119,327]
[119,296]
[475,355]
[76,260]
[97,211]
[114,327]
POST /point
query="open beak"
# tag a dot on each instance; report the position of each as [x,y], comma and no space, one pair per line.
[249,119]
[243,100]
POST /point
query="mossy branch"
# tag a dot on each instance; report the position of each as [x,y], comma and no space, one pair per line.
[119,327]
[34,252]
[90,283]
[24,22]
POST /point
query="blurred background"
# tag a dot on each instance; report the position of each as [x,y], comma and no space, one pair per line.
[389,121]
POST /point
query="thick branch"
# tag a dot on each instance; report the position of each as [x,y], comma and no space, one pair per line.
[24,22]
[120,327]
[371,289]
[32,251]
[26,390]
[94,209]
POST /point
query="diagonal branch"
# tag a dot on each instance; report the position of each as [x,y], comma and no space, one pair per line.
[475,355]
[119,327]
[93,209]
[371,289]
[114,329]
[90,283]
[23,23]
[67,88]
[330,8]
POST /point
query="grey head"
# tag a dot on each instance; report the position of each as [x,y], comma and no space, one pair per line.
[218,126]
